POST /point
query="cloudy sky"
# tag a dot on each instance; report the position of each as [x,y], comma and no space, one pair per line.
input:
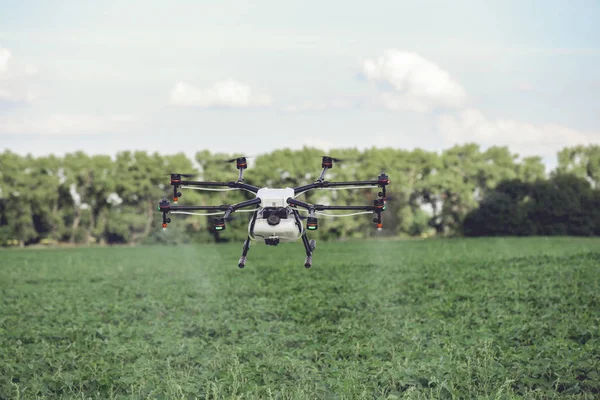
[230,76]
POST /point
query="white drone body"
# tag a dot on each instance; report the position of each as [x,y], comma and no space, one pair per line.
[275,221]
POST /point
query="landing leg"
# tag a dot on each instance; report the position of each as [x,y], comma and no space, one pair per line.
[242,262]
[310,247]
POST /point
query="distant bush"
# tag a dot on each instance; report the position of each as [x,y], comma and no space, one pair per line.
[563,205]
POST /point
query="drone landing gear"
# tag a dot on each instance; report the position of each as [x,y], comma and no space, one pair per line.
[242,262]
[310,247]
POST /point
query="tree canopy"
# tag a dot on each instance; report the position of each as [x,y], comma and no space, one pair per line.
[83,199]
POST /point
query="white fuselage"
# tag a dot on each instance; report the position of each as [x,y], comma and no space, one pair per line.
[275,220]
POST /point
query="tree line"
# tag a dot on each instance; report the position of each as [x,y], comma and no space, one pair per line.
[464,190]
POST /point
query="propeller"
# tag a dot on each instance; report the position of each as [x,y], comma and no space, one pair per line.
[230,160]
[334,159]
[182,175]
[327,161]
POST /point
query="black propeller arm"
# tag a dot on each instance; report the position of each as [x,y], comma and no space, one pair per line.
[220,222]
[378,207]
[321,207]
[231,184]
[165,207]
[234,207]
[241,164]
[236,185]
[382,181]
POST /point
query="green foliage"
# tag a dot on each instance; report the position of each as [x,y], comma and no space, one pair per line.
[563,205]
[437,319]
[85,199]
[582,161]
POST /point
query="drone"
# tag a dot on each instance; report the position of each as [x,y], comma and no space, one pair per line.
[275,212]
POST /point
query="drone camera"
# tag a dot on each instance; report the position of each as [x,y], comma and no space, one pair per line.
[272,241]
[219,224]
[274,215]
[312,224]
[273,219]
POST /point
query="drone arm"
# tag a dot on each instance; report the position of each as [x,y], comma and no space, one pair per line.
[234,207]
[246,203]
[347,208]
[326,184]
[382,181]
[222,207]
[320,207]
[322,176]
[298,203]
[378,207]
[235,185]
[165,208]
[220,222]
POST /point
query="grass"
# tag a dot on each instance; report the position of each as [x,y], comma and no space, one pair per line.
[479,318]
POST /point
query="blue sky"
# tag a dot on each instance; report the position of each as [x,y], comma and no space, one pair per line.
[232,76]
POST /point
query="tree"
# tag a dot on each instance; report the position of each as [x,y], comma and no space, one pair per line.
[17,198]
[582,161]
[44,182]
[563,205]
[87,199]
[531,169]
[79,178]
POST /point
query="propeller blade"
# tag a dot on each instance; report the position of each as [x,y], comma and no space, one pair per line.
[183,175]
[335,159]
[228,160]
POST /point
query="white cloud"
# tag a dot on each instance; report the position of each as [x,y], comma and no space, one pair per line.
[66,124]
[525,87]
[470,125]
[5,56]
[228,93]
[15,79]
[419,84]
[322,106]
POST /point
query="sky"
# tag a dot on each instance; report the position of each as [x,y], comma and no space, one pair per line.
[247,78]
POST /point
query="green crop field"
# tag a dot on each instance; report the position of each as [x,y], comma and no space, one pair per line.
[480,318]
